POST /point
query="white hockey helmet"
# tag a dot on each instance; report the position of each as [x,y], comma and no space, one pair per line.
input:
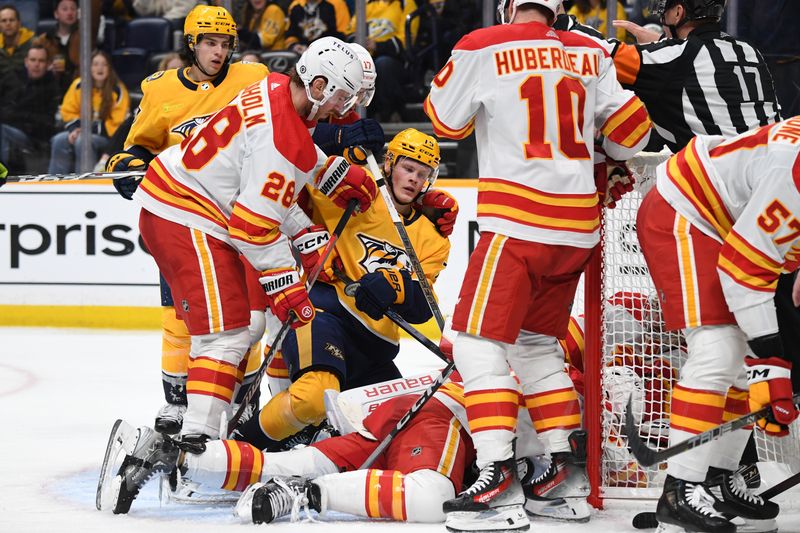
[334,60]
[552,5]
[370,75]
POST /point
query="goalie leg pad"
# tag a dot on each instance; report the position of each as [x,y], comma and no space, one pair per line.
[212,381]
[490,393]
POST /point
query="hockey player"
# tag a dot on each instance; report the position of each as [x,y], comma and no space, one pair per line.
[350,343]
[174,103]
[225,192]
[538,215]
[716,232]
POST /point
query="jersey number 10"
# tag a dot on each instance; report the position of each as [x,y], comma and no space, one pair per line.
[570,138]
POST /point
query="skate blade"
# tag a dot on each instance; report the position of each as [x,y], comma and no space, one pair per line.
[747,525]
[498,519]
[121,442]
[244,506]
[190,493]
[568,509]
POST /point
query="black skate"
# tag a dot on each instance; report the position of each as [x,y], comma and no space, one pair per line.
[152,454]
[687,506]
[492,503]
[262,503]
[559,492]
[169,419]
[561,489]
[738,500]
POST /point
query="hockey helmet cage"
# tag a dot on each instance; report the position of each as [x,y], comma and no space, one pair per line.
[418,146]
[334,60]
[552,5]
[370,75]
[209,19]
[695,9]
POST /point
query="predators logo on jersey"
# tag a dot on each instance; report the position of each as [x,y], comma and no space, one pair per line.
[185,128]
[380,254]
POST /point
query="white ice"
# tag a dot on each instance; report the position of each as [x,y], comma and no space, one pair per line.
[60,392]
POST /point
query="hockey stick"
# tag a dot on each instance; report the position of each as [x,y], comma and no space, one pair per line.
[350,290]
[648,520]
[312,278]
[401,230]
[32,178]
[647,456]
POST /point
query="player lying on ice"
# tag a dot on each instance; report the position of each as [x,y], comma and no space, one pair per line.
[423,466]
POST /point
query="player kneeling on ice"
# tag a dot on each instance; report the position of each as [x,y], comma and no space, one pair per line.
[222,193]
[717,231]
[349,343]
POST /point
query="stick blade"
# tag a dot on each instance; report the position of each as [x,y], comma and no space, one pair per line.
[645,455]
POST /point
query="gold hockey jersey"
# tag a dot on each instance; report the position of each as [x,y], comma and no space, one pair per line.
[370,242]
[173,104]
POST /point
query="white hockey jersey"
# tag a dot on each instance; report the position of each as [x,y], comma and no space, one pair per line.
[535,97]
[745,193]
[238,174]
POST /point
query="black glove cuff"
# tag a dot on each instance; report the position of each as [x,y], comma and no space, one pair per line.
[767,346]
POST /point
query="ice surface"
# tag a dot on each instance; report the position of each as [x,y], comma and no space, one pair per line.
[60,392]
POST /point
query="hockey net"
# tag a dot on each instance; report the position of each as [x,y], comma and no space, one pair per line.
[627,352]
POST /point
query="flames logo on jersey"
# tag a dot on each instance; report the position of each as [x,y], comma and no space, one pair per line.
[184,129]
[381,254]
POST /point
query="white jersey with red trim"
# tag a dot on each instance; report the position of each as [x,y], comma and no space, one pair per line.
[239,173]
[534,97]
[745,193]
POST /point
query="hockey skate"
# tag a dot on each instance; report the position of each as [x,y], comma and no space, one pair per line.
[263,503]
[558,488]
[492,503]
[739,502]
[687,506]
[152,454]
[169,419]
[121,442]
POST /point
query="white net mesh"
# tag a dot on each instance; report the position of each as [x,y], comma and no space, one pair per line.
[638,358]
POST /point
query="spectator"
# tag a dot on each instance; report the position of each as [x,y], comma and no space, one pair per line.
[311,19]
[641,15]
[170,61]
[386,40]
[772,28]
[110,105]
[28,106]
[250,56]
[172,10]
[14,39]
[262,25]
[593,13]
[61,40]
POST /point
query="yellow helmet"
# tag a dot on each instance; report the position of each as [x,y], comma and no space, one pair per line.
[418,146]
[209,19]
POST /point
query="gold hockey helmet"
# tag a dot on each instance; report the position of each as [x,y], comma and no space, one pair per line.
[209,19]
[415,145]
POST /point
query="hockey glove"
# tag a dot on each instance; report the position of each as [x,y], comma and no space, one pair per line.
[311,242]
[342,183]
[366,132]
[378,290]
[613,179]
[3,174]
[287,294]
[121,162]
[440,208]
[771,385]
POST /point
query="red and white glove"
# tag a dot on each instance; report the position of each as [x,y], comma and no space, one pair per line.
[613,178]
[771,385]
[287,294]
[341,182]
[440,208]
[311,242]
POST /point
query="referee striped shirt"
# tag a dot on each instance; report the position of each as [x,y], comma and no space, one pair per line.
[710,83]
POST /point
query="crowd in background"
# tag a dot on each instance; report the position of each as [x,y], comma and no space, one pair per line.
[40,130]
